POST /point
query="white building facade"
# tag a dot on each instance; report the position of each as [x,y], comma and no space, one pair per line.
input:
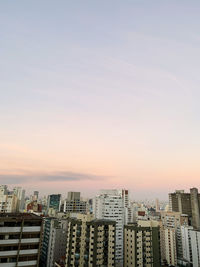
[11,201]
[8,202]
[186,243]
[109,205]
[20,194]
[195,245]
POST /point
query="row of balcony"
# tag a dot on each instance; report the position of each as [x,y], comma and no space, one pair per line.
[26,229]
[16,241]
[20,264]
[21,252]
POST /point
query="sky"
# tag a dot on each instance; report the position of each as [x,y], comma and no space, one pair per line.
[100,94]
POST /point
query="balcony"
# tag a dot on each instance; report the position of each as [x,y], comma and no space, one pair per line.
[26,229]
[21,263]
[21,252]
[16,241]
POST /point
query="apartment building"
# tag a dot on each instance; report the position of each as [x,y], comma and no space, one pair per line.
[90,242]
[195,245]
[11,201]
[54,202]
[20,239]
[187,203]
[20,194]
[109,205]
[186,243]
[168,246]
[174,220]
[73,203]
[54,241]
[128,212]
[191,245]
[142,244]
[8,203]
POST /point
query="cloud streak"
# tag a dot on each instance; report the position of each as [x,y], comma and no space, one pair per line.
[60,176]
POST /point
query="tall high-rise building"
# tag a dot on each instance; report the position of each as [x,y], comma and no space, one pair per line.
[191,245]
[180,202]
[54,202]
[73,196]
[20,194]
[187,203]
[90,242]
[109,205]
[168,246]
[54,241]
[186,243]
[3,189]
[8,203]
[20,238]
[125,197]
[195,205]
[12,201]
[35,195]
[195,245]
[142,244]
[73,203]
[174,221]
[128,212]
[157,205]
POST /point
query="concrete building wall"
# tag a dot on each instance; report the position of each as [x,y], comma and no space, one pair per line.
[174,220]
[54,202]
[8,203]
[187,203]
[168,246]
[142,245]
[180,202]
[20,194]
[90,242]
[109,205]
[73,196]
[20,239]
[76,205]
[195,245]
[186,243]
[195,208]
[54,241]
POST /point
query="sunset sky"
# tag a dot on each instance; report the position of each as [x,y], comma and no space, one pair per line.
[100,94]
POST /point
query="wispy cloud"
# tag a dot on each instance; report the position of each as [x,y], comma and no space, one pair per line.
[48,177]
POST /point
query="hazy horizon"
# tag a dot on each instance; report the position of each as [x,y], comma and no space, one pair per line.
[100,94]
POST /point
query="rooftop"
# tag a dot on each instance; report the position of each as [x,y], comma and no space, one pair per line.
[20,216]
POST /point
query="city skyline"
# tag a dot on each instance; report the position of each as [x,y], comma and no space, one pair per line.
[100,95]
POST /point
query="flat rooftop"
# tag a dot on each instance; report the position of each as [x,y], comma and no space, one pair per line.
[20,216]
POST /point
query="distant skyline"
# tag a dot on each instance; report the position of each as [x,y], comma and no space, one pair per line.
[100,94]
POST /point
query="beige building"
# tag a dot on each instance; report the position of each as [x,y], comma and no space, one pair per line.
[11,201]
[168,246]
[8,203]
[90,242]
[171,239]
[73,203]
[142,244]
[173,219]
